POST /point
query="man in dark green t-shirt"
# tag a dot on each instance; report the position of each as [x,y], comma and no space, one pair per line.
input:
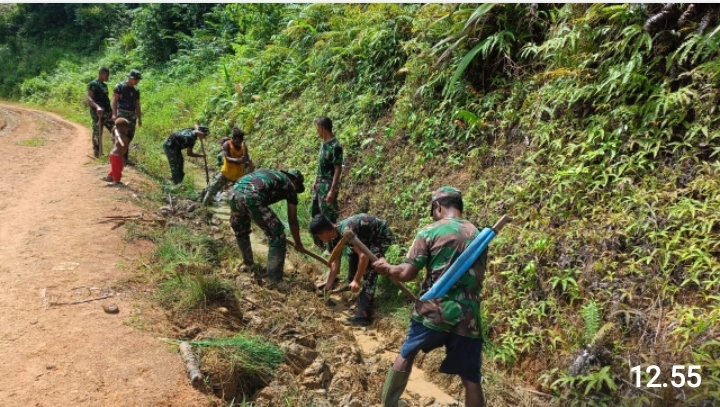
[178,141]
[453,320]
[99,102]
[327,180]
[250,199]
[374,233]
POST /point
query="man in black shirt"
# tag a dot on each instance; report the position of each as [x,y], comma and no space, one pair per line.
[126,104]
[99,102]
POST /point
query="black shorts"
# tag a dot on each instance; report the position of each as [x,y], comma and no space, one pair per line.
[463,355]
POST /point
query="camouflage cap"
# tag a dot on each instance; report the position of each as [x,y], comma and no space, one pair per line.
[297,175]
[204,130]
[135,74]
[446,191]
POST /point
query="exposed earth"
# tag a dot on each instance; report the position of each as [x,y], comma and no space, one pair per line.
[63,269]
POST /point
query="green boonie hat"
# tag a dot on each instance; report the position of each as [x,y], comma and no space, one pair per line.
[446,191]
[135,74]
[204,130]
[297,175]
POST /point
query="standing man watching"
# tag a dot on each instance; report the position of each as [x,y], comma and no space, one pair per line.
[327,181]
[126,104]
[99,101]
[250,199]
[452,320]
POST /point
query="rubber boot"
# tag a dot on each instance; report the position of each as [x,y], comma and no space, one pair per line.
[394,386]
[246,253]
[363,316]
[276,264]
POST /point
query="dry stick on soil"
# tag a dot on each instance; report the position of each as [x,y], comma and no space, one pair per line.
[640,388]
[121,217]
[192,364]
[253,303]
[81,301]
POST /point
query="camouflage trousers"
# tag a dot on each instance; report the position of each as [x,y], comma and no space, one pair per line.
[106,121]
[176,161]
[217,183]
[247,207]
[319,206]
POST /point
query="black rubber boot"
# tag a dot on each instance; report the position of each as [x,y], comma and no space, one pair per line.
[276,264]
[394,386]
[246,253]
[363,316]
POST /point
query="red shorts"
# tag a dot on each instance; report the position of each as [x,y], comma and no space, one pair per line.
[116,167]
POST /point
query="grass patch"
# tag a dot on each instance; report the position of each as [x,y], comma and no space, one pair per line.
[239,365]
[181,246]
[194,291]
[32,142]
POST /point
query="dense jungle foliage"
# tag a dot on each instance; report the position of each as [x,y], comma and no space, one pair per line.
[593,125]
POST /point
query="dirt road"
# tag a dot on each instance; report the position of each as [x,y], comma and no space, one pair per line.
[51,246]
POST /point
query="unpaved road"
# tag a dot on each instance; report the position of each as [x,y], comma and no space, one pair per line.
[51,244]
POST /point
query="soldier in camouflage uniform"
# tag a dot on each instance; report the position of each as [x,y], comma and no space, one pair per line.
[376,235]
[126,104]
[99,101]
[250,199]
[178,141]
[327,181]
[453,320]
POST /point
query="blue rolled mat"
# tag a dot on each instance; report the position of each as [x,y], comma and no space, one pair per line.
[466,259]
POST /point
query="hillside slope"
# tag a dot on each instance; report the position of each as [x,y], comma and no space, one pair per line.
[593,126]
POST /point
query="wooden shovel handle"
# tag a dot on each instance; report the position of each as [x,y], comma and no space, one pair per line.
[337,251]
[501,222]
[360,245]
[309,253]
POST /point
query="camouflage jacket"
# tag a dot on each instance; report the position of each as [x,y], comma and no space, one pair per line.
[100,94]
[436,247]
[182,139]
[331,154]
[371,230]
[266,187]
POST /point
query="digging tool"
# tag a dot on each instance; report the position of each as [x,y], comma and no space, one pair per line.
[309,253]
[466,259]
[207,172]
[100,132]
[353,240]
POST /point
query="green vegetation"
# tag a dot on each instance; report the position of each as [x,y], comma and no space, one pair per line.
[594,126]
[32,142]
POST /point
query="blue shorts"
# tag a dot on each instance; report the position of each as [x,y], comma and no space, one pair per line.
[463,355]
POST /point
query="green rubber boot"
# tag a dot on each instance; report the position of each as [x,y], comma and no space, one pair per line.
[276,264]
[246,253]
[394,387]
